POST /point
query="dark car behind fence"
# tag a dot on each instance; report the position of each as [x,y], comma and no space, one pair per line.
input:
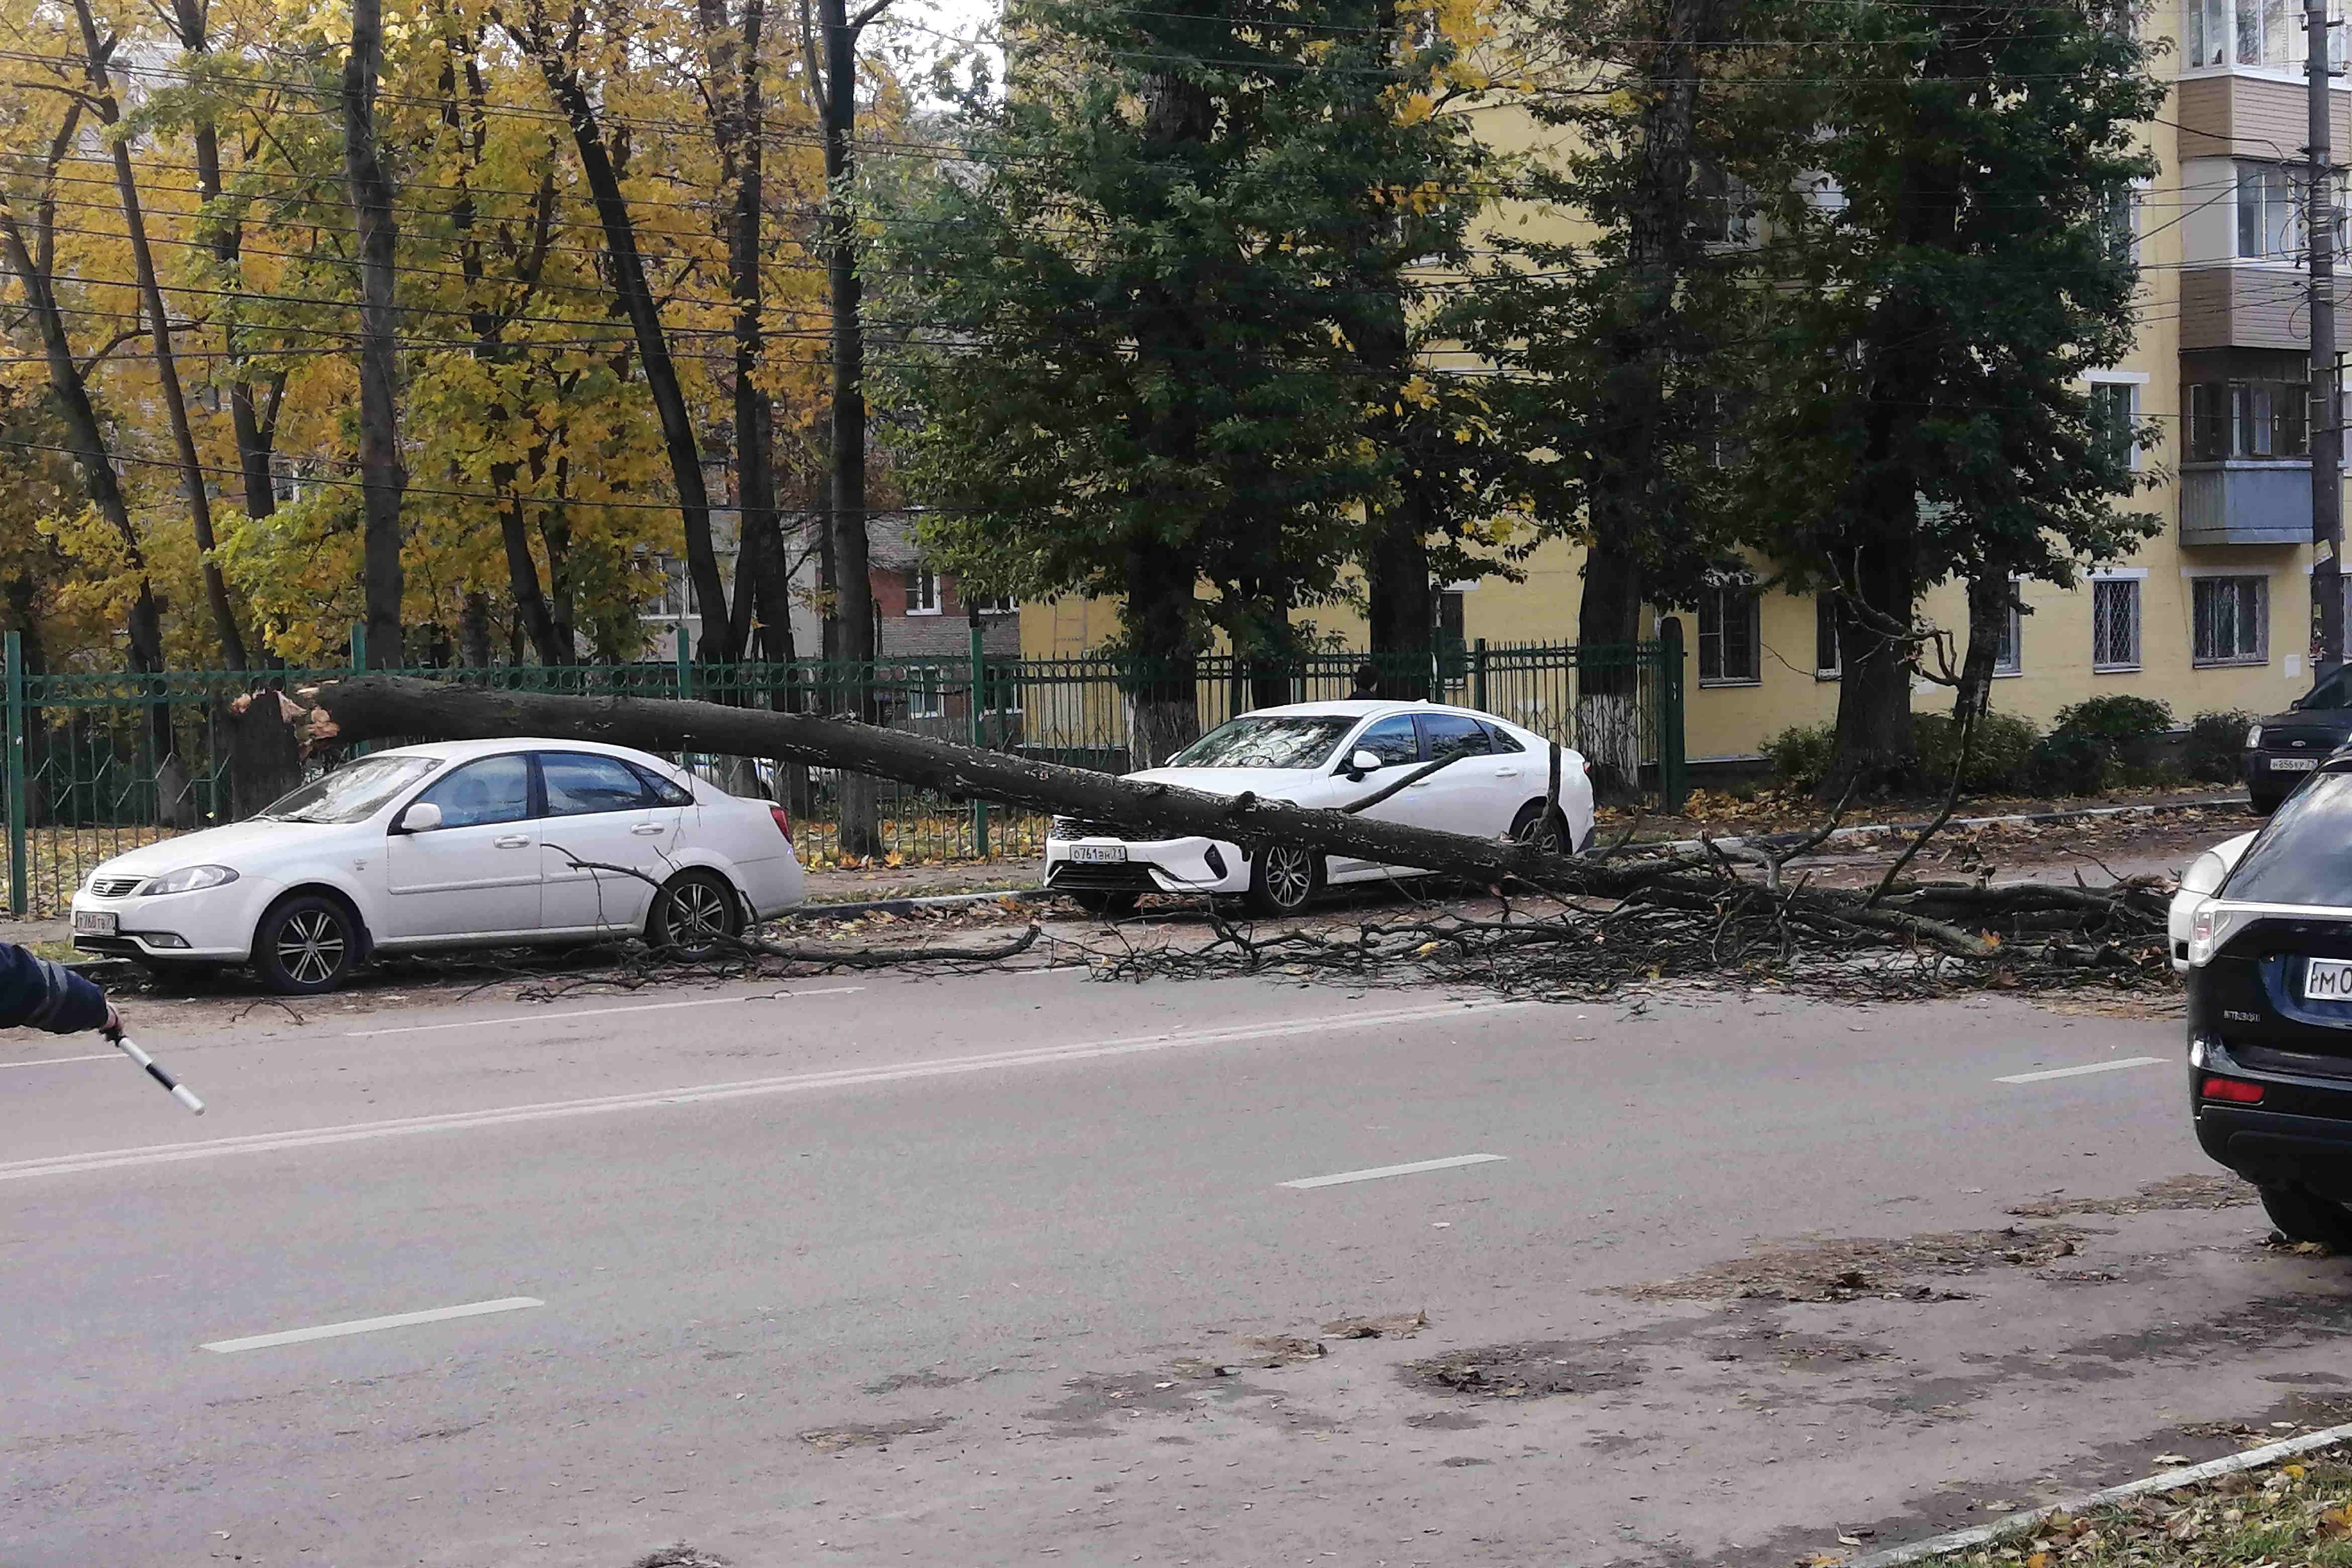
[101,763]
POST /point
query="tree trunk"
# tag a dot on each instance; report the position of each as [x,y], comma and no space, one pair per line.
[679,438]
[97,54]
[1402,607]
[1163,692]
[523,580]
[1989,597]
[33,261]
[381,477]
[1608,689]
[1874,748]
[474,630]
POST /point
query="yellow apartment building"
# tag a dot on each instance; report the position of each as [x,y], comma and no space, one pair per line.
[2214,611]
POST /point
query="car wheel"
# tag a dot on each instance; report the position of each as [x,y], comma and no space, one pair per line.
[1283,879]
[2301,1216]
[1105,902]
[1542,827]
[307,946]
[695,916]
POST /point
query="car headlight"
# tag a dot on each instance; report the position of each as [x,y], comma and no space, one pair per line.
[187,879]
[2253,737]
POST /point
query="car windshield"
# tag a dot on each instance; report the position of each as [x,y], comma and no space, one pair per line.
[2304,855]
[1266,741]
[352,792]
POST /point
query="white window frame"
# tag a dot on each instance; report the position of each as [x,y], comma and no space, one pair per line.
[2009,660]
[1713,592]
[923,591]
[927,694]
[2136,380]
[1825,616]
[2261,654]
[2131,581]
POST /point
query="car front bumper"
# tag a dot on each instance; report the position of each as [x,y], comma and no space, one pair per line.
[2300,1135]
[1156,866]
[212,925]
[2264,777]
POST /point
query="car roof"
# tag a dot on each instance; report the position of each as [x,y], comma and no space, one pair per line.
[466,751]
[1365,708]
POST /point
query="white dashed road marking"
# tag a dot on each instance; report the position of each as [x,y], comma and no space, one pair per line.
[2116,1065]
[370,1325]
[1377,1172]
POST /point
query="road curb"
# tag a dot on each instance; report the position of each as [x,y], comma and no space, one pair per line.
[2019,819]
[2164,1482]
[907,906]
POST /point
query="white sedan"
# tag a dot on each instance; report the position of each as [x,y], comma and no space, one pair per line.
[449,846]
[2199,883]
[1328,755]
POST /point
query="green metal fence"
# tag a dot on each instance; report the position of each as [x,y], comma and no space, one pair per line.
[98,764]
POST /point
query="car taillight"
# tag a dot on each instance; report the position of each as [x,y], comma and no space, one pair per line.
[2234,1091]
[783,821]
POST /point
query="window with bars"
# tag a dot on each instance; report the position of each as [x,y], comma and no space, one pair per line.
[1729,643]
[2114,624]
[2230,620]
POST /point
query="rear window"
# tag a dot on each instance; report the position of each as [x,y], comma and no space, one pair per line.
[2304,855]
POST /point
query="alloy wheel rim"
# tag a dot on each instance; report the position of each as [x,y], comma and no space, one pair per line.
[697,915]
[1289,877]
[310,947]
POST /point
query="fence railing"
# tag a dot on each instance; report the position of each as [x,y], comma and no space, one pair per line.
[98,763]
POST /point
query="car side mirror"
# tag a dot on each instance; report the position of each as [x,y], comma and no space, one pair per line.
[1360,762]
[422,817]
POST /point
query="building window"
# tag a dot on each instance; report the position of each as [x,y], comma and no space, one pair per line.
[2270,227]
[1001,604]
[2115,407]
[1825,638]
[2246,419]
[1729,645]
[926,691]
[2231,617]
[2267,33]
[2009,658]
[922,591]
[2114,624]
[2123,224]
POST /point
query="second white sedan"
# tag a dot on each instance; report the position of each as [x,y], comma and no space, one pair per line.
[1328,755]
[455,845]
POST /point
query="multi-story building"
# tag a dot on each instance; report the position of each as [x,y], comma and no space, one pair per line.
[2212,613]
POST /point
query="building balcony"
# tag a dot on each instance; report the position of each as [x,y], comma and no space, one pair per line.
[2246,500]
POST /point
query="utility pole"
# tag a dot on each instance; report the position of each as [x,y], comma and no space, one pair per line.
[2327,421]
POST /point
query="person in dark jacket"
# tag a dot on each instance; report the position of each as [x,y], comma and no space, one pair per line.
[1368,683]
[38,994]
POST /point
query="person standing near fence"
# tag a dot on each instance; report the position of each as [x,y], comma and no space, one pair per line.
[1367,684]
[38,994]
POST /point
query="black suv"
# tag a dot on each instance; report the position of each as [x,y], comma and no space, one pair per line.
[2284,749]
[2270,1013]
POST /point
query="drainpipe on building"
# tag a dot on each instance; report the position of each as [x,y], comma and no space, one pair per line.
[2327,428]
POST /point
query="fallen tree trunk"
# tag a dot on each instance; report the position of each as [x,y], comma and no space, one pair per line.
[1742,913]
[383,707]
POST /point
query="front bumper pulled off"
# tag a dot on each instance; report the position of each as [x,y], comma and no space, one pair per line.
[1152,866]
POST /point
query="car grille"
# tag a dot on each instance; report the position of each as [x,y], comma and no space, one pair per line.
[1132,874]
[115,886]
[2306,738]
[1078,827]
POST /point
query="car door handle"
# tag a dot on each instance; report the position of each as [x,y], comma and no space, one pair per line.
[647,829]
[1423,785]
[512,841]
[1507,772]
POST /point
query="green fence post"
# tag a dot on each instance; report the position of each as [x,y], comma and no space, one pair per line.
[359,647]
[978,736]
[17,815]
[1673,785]
[1478,676]
[685,663]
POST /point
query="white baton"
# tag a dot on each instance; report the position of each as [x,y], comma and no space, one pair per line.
[180,1091]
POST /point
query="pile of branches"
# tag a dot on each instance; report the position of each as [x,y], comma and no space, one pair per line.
[1728,915]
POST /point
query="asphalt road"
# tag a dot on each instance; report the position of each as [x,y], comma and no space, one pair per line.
[888,1269]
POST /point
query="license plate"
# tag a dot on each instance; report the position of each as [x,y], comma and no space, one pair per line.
[2328,980]
[1097,854]
[95,922]
[2294,764]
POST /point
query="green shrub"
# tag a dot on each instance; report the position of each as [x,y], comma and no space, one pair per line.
[2120,726]
[2214,741]
[2066,763]
[1801,757]
[1997,751]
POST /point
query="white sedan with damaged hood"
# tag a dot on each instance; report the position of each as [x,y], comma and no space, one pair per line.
[463,844]
[1495,784]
